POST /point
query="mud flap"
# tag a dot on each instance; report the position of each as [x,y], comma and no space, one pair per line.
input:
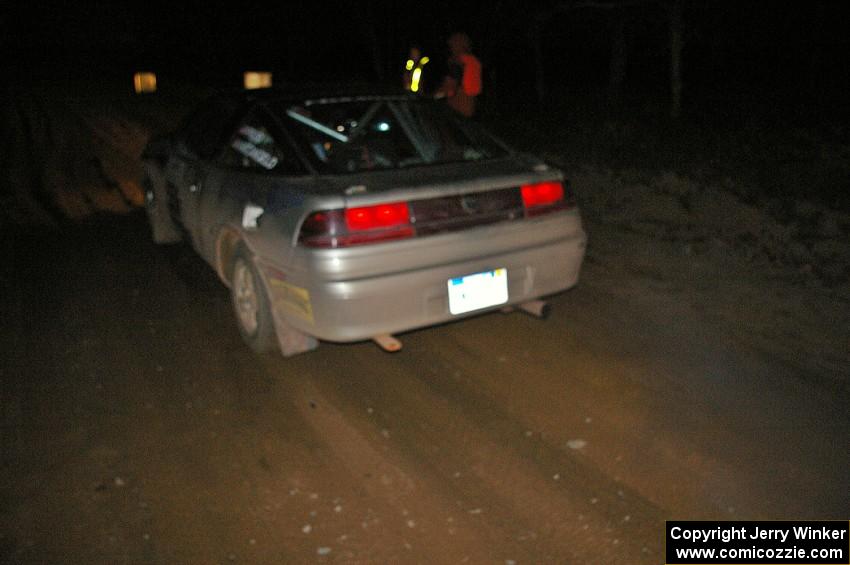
[291,341]
[163,229]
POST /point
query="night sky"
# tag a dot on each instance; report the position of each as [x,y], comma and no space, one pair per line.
[798,48]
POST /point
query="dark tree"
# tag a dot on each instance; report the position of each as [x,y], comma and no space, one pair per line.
[676,45]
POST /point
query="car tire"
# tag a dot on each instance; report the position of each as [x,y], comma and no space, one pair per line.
[163,228]
[251,303]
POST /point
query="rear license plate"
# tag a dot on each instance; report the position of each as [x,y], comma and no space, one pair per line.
[477,291]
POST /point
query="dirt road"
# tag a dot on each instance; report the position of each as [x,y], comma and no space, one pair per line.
[137,428]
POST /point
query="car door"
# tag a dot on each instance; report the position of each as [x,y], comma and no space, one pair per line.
[186,173]
[189,169]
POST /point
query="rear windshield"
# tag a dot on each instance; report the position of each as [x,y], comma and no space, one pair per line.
[351,135]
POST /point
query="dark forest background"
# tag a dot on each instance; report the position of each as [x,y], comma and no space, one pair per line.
[743,48]
[755,91]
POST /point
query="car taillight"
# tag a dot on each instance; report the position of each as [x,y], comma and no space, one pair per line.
[542,197]
[541,194]
[356,226]
[376,217]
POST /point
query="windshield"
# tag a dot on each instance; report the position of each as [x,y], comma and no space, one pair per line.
[351,135]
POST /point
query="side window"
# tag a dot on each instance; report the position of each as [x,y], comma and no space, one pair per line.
[254,145]
[206,128]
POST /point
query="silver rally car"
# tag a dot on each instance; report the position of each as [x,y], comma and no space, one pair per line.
[358,216]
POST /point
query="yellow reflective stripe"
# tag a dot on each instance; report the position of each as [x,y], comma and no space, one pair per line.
[414,81]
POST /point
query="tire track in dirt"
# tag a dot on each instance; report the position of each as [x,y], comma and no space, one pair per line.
[519,493]
[418,520]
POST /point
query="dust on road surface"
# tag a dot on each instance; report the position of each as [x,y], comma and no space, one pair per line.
[137,427]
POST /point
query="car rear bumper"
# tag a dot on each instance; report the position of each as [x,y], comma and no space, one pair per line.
[354,296]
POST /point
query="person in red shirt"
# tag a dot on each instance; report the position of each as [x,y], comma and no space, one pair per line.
[463,82]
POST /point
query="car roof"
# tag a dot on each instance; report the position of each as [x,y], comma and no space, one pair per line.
[317,93]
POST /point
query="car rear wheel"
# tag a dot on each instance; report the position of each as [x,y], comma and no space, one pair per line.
[251,304]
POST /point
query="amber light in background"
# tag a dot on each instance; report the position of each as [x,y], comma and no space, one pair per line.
[144,82]
[254,80]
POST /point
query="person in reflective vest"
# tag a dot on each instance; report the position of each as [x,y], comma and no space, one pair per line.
[463,83]
[413,70]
